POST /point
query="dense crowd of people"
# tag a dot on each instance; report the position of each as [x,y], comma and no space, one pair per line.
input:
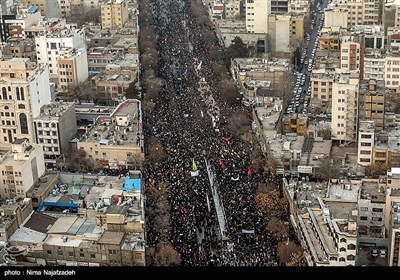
[190,119]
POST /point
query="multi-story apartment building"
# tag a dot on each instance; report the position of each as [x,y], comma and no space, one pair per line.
[48,8]
[366,139]
[20,168]
[297,27]
[372,102]
[329,41]
[345,106]
[392,71]
[114,14]
[335,17]
[392,215]
[285,31]
[83,6]
[257,12]
[279,7]
[233,8]
[371,208]
[352,56]
[374,65]
[298,7]
[12,215]
[54,128]
[330,241]
[321,85]
[25,89]
[328,59]
[361,12]
[386,150]
[116,140]
[72,67]
[13,26]
[50,45]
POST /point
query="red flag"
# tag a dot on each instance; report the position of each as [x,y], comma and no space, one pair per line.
[222,165]
[249,171]
[226,138]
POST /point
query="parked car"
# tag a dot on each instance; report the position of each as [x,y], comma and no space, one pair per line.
[374,253]
[382,253]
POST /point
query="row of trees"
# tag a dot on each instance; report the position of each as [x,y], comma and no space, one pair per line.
[274,209]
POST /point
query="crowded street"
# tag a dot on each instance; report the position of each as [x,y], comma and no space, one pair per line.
[190,120]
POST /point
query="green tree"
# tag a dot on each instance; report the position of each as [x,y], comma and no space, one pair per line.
[236,49]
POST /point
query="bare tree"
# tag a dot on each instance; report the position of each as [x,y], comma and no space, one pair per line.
[239,124]
[328,168]
[376,169]
[277,228]
[287,252]
[163,254]
[271,204]
[155,150]
[158,191]
[229,91]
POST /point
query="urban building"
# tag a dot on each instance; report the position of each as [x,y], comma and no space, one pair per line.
[371,208]
[328,59]
[298,7]
[392,71]
[21,166]
[392,221]
[13,25]
[366,139]
[335,17]
[12,214]
[116,140]
[72,65]
[114,14]
[48,8]
[321,85]
[360,12]
[279,7]
[330,241]
[295,123]
[372,102]
[52,44]
[285,31]
[25,89]
[329,41]
[345,90]
[352,56]
[374,65]
[257,12]
[18,48]
[54,128]
[233,9]
[83,6]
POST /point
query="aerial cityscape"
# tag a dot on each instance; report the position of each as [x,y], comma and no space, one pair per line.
[199,133]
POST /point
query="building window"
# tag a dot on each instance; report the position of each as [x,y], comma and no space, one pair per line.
[23,122]
[377,209]
[365,209]
[48,252]
[363,218]
[93,256]
[70,254]
[82,255]
[351,247]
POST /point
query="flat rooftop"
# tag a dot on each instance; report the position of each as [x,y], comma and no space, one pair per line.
[112,238]
[370,191]
[107,132]
[53,111]
[341,192]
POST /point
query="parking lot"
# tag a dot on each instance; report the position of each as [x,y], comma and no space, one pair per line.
[365,258]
